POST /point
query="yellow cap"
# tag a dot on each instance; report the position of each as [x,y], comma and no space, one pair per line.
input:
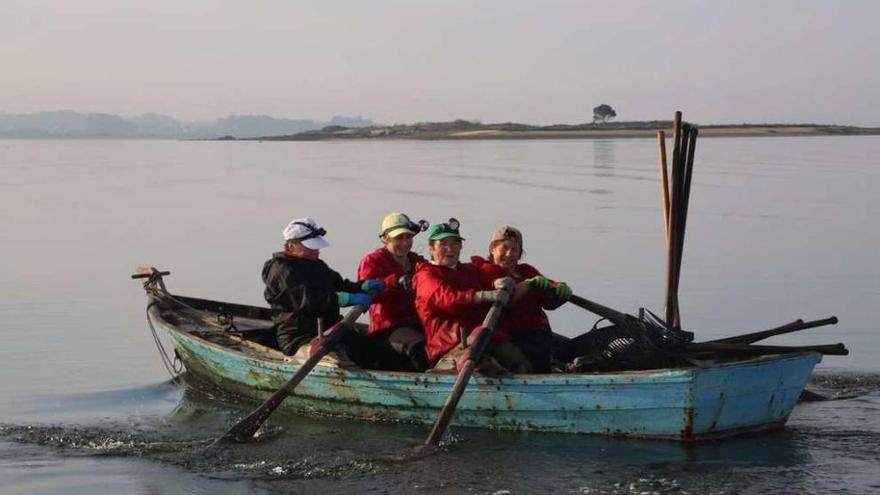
[395,224]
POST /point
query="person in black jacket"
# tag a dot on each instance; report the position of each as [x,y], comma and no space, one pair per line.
[301,288]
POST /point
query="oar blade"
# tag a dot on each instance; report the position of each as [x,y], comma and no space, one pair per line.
[476,352]
[244,430]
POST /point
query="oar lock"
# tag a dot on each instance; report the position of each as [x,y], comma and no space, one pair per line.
[153,276]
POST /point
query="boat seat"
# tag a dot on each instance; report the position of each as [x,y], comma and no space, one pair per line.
[260,335]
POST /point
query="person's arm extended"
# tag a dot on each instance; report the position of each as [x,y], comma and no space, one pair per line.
[550,295]
[371,269]
[438,294]
[303,297]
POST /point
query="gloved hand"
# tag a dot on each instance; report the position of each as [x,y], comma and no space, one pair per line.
[373,285]
[492,296]
[540,282]
[405,282]
[563,291]
[350,299]
[504,283]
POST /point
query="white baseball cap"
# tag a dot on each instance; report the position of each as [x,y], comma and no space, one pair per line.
[306,231]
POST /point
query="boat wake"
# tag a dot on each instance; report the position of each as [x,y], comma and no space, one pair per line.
[259,460]
[839,386]
[93,441]
[313,449]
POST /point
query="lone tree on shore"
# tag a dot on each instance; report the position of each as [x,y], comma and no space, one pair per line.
[603,113]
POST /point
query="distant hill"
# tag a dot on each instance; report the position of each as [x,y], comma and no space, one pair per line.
[464,129]
[71,124]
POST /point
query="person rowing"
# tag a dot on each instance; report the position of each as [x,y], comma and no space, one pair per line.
[394,323]
[524,321]
[451,300]
[301,290]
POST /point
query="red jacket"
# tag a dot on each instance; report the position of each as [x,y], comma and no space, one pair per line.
[444,302]
[527,313]
[396,306]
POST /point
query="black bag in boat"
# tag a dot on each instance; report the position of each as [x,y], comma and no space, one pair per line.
[636,344]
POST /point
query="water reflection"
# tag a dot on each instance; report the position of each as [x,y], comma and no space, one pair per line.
[604,156]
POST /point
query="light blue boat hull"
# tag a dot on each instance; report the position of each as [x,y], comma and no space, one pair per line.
[682,404]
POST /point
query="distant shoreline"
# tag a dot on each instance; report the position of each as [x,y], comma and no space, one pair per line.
[460,130]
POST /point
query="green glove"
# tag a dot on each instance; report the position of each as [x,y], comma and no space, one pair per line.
[540,282]
[343,299]
[563,291]
[350,299]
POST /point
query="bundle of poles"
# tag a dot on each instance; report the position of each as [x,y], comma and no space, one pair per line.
[675,192]
[675,188]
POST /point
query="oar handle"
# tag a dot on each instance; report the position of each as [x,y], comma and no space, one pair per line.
[245,429]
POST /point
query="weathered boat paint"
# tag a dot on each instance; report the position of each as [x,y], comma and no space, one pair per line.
[682,404]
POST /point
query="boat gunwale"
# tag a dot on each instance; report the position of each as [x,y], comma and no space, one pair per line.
[668,375]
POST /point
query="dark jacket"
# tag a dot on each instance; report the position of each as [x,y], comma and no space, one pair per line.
[299,291]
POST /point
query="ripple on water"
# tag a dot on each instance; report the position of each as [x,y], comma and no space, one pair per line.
[314,453]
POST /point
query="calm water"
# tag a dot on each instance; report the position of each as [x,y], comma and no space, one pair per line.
[779,228]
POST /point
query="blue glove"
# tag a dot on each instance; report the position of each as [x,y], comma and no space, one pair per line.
[350,299]
[373,285]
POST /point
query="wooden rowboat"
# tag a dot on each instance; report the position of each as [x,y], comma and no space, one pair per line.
[220,343]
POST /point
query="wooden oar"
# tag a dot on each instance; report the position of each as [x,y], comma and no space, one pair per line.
[715,348]
[478,348]
[621,319]
[245,429]
[795,326]
[612,315]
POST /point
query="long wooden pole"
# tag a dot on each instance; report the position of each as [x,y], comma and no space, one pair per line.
[664,183]
[664,195]
[681,216]
[689,141]
[710,347]
[673,220]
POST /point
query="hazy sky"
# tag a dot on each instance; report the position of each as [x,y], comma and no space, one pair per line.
[402,61]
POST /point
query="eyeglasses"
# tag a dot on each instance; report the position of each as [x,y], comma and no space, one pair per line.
[313,232]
